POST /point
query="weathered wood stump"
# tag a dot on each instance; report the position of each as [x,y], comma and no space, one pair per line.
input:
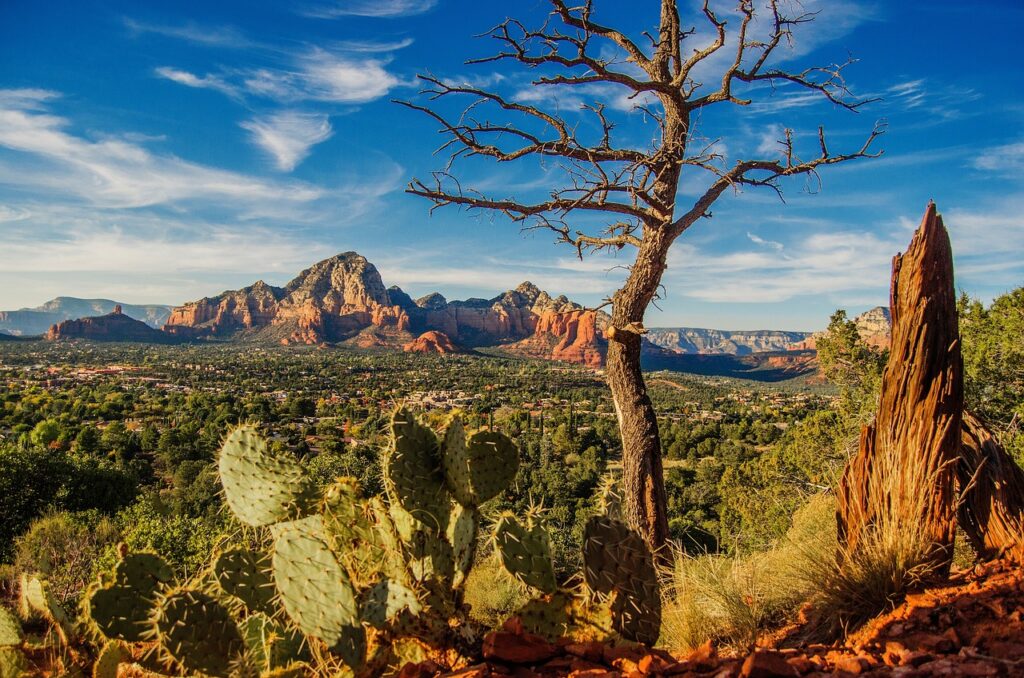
[991,510]
[902,477]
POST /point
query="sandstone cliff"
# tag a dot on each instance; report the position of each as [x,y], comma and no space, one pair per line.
[431,342]
[332,300]
[874,327]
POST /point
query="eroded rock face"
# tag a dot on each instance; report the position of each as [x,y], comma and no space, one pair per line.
[344,299]
[874,327]
[571,336]
[329,301]
[431,342]
[115,326]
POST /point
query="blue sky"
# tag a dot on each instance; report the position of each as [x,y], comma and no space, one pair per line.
[164,151]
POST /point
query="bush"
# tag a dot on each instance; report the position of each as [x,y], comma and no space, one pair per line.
[64,548]
[492,594]
[184,542]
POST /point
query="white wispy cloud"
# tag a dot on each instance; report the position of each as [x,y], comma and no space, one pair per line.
[1006,159]
[117,173]
[213,36]
[316,75]
[369,8]
[208,81]
[288,136]
[836,264]
[758,240]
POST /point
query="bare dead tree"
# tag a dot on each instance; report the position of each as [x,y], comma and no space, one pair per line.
[634,190]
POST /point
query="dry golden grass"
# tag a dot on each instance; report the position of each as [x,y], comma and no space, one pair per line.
[733,600]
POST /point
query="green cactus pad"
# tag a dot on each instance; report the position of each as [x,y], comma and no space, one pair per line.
[124,610]
[462,532]
[478,469]
[525,551]
[412,472]
[261,487]
[637,619]
[429,556]
[246,575]
[385,600]
[272,646]
[616,557]
[296,670]
[314,587]
[361,534]
[137,569]
[548,616]
[36,598]
[616,560]
[109,658]
[10,628]
[12,663]
[198,632]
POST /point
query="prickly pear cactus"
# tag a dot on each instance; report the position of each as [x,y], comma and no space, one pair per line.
[198,632]
[525,551]
[478,469]
[272,646]
[361,534]
[10,629]
[12,663]
[462,535]
[383,602]
[263,488]
[616,560]
[246,575]
[315,589]
[36,598]
[123,609]
[413,477]
[109,658]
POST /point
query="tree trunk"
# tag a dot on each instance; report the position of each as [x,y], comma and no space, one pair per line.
[902,477]
[643,480]
[991,484]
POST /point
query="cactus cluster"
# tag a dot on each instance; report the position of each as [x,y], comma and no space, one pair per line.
[364,580]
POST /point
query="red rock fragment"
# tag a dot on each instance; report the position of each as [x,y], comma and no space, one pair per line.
[767,664]
[515,648]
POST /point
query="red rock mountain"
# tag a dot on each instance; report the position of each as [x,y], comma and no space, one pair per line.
[343,300]
[115,326]
[431,342]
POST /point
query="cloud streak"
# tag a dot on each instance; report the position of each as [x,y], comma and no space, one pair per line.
[114,172]
[381,9]
[288,136]
[317,75]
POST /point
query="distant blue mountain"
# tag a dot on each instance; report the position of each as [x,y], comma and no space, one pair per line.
[30,321]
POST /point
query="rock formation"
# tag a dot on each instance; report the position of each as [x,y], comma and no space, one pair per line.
[32,321]
[874,327]
[115,326]
[706,341]
[431,342]
[343,299]
[332,300]
[571,336]
[902,477]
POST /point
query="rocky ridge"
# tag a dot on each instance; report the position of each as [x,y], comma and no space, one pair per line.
[33,321]
[873,325]
[692,340]
[115,326]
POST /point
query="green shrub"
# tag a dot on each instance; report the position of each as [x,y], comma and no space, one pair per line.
[64,547]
